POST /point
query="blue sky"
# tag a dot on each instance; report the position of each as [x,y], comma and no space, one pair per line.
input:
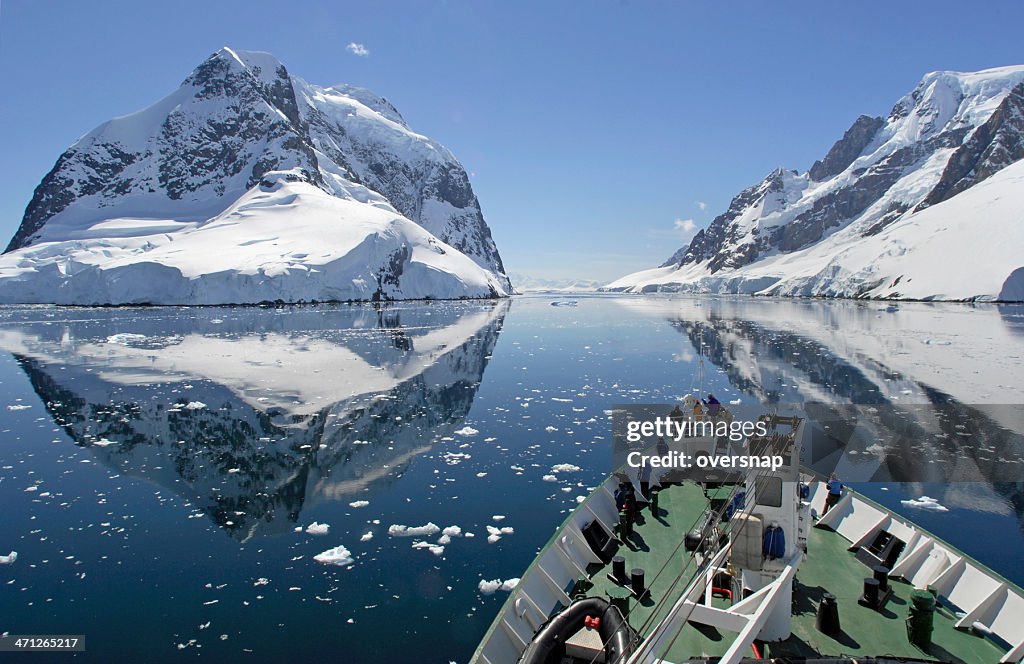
[590,128]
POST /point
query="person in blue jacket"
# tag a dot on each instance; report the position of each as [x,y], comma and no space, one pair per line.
[835,492]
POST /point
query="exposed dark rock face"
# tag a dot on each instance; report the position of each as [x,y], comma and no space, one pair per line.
[409,185]
[993,146]
[192,156]
[721,232]
[844,204]
[848,148]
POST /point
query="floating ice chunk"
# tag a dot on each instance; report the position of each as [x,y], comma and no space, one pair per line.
[565,468]
[195,405]
[494,585]
[455,458]
[262,581]
[481,474]
[359,503]
[232,471]
[549,478]
[466,431]
[367,536]
[452,531]
[9,558]
[426,530]
[103,442]
[550,428]
[339,555]
[18,406]
[317,528]
[435,549]
[125,338]
[925,503]
[494,534]
[498,517]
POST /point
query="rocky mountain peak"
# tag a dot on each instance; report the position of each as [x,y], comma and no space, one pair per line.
[202,153]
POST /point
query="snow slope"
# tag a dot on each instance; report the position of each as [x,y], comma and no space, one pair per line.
[901,207]
[248,185]
[966,248]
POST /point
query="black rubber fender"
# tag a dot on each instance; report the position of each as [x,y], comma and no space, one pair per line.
[548,645]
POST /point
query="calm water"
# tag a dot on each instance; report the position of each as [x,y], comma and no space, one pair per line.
[158,467]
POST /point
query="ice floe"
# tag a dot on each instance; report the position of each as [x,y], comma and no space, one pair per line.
[495,534]
[490,587]
[317,528]
[359,503]
[339,555]
[426,530]
[436,549]
[9,558]
[565,468]
[925,503]
[466,431]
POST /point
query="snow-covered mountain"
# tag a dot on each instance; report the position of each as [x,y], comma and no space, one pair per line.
[248,184]
[927,203]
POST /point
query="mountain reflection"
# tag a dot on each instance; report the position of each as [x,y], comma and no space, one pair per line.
[252,413]
[915,392]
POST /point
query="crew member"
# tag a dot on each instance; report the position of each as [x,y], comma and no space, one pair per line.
[835,492]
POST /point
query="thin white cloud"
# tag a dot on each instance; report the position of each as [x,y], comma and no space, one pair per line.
[685,226]
[357,49]
[702,205]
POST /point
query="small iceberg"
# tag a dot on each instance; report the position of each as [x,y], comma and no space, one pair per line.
[339,555]
[925,503]
[494,585]
[565,303]
[9,558]
[317,528]
[426,530]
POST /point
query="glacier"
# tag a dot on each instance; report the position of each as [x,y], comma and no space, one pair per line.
[249,185]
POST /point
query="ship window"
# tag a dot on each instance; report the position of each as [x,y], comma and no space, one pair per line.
[769,492]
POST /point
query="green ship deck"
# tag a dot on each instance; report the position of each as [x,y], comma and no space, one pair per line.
[829,567]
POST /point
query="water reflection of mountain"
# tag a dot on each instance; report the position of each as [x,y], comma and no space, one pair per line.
[935,380]
[252,413]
